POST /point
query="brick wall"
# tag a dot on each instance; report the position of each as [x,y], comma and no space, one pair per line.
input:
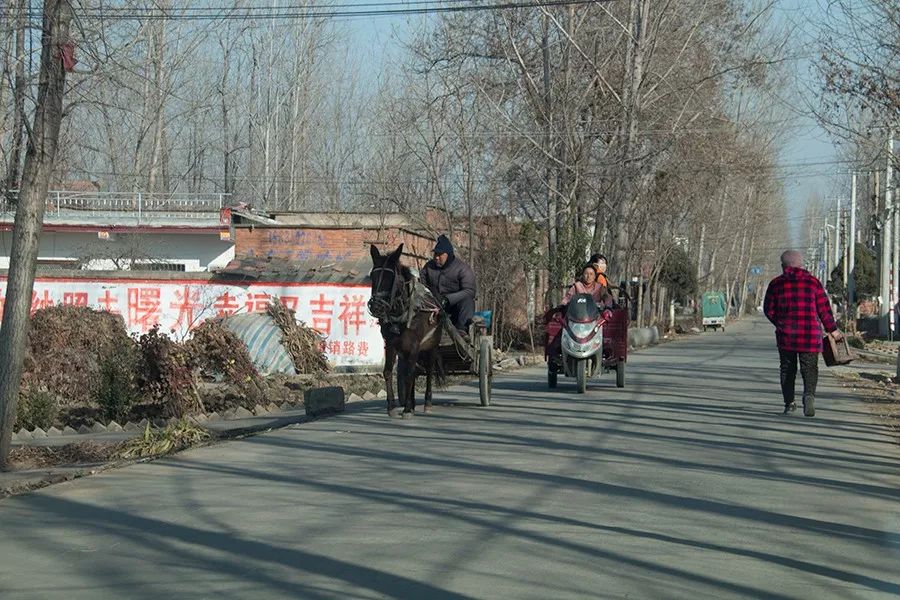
[327,244]
[351,244]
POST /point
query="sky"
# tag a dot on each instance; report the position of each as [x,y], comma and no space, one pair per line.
[810,143]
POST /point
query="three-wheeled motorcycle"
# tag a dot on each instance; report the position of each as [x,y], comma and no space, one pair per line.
[584,339]
[713,310]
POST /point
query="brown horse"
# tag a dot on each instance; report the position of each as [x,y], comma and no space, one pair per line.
[411,324]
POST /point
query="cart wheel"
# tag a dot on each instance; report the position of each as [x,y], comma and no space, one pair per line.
[582,376]
[620,374]
[485,370]
[551,377]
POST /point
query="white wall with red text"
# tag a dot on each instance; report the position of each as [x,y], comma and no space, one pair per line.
[337,311]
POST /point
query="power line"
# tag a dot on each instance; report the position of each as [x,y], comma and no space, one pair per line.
[341,11]
[405,4]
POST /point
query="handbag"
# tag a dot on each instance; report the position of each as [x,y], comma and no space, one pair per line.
[836,352]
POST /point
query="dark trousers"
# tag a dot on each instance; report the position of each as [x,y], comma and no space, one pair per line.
[461,313]
[809,370]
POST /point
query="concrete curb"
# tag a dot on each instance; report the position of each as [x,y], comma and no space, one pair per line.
[881,357]
[326,401]
[114,431]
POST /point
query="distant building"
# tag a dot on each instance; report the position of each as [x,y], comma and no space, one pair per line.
[92,230]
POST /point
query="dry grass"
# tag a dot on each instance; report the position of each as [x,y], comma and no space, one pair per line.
[881,394]
[78,453]
[159,442]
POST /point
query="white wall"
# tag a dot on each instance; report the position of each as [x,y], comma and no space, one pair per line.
[198,252]
[338,312]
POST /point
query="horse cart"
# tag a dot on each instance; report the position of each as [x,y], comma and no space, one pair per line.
[419,337]
[472,356]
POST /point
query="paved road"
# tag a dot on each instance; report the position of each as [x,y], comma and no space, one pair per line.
[688,484]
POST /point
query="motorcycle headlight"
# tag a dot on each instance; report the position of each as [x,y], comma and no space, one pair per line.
[582,330]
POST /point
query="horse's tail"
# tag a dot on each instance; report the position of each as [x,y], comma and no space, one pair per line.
[438,372]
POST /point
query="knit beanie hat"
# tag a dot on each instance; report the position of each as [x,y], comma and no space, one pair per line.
[443,245]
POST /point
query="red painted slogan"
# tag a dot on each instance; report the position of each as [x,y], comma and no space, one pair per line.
[337,312]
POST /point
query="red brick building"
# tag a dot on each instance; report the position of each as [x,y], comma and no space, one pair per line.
[337,237]
[344,238]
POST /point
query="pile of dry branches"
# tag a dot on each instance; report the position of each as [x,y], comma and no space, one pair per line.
[304,344]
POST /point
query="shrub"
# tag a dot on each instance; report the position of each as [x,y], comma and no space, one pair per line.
[165,374]
[67,346]
[117,389]
[36,408]
[216,350]
[679,275]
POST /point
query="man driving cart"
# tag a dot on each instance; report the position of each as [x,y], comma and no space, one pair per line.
[453,282]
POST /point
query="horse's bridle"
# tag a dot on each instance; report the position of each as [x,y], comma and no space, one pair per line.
[396,306]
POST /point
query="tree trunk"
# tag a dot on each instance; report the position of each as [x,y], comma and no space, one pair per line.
[15,153]
[639,13]
[226,126]
[295,117]
[37,173]
[746,264]
[700,250]
[640,300]
[6,45]
[715,250]
[556,282]
[744,292]
[160,90]
[740,262]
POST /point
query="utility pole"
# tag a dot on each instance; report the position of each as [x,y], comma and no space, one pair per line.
[845,250]
[40,157]
[889,195]
[886,243]
[837,231]
[851,267]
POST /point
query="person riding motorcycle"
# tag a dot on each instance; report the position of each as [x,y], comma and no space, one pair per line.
[587,284]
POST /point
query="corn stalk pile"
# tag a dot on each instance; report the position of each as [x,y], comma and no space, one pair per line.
[304,344]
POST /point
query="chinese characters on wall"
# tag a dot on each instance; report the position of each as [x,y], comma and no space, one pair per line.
[352,337]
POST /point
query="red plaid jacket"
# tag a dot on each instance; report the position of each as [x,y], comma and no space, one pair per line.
[795,303]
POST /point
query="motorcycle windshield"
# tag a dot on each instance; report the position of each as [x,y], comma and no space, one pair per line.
[582,309]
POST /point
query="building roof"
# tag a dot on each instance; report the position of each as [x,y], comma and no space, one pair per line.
[74,208]
[342,220]
[299,271]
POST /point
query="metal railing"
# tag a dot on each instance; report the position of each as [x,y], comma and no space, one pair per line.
[139,205]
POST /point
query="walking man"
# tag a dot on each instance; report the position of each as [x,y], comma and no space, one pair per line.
[796,303]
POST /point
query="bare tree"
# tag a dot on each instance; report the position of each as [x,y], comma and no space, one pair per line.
[36,176]
[860,51]
[19,89]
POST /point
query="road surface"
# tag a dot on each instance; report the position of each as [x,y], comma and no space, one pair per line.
[687,484]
